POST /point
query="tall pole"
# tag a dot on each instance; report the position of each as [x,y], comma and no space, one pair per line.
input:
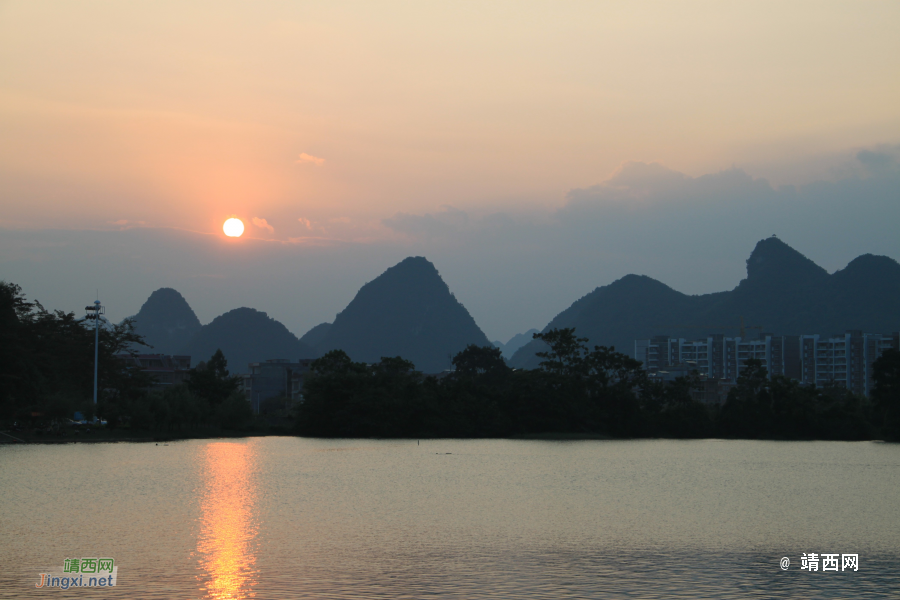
[96,344]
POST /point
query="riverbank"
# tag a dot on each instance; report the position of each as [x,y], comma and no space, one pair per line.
[100,436]
[118,435]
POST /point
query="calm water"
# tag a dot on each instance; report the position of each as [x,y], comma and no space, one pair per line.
[300,518]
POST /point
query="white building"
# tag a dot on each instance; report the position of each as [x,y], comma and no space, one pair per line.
[845,361]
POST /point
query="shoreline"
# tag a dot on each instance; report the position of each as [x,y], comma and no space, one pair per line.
[213,435]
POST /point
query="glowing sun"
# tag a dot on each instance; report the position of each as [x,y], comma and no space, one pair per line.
[233,227]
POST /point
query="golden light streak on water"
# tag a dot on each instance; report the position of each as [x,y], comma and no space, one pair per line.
[228,538]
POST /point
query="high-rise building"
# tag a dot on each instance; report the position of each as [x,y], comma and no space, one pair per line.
[846,361]
[717,356]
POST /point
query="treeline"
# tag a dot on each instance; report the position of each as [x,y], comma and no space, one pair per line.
[580,391]
[47,374]
[47,360]
[208,399]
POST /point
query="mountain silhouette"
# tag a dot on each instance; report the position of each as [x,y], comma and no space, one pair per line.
[785,293]
[314,336]
[245,335]
[514,343]
[407,311]
[166,321]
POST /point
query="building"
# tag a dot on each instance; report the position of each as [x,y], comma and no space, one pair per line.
[165,369]
[275,378]
[719,357]
[846,361]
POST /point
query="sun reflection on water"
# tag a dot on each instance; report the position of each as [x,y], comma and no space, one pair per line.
[228,536]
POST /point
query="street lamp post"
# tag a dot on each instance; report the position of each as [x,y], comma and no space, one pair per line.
[94,313]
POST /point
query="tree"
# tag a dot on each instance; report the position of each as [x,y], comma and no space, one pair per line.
[886,373]
[234,412]
[748,408]
[18,377]
[480,360]
[211,380]
[566,355]
[47,359]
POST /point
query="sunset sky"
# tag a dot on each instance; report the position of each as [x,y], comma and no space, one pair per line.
[531,150]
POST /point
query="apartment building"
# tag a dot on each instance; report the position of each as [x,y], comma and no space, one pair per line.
[843,360]
[720,357]
[278,377]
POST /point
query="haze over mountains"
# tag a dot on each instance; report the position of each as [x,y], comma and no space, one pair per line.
[245,335]
[515,342]
[407,311]
[784,293]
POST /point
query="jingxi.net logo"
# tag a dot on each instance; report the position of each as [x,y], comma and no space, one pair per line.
[81,572]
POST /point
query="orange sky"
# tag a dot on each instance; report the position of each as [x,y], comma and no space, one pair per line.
[510,142]
[183,114]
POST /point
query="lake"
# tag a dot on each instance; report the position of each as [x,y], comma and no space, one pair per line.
[282,517]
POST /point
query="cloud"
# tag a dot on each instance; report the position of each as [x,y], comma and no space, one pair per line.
[644,176]
[884,160]
[693,233]
[448,220]
[263,224]
[309,158]
[123,224]
[512,270]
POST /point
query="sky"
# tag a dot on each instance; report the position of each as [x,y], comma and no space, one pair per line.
[531,150]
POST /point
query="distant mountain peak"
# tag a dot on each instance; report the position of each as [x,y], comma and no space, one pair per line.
[871,263]
[773,261]
[784,292]
[166,321]
[168,302]
[406,311]
[415,270]
[414,261]
[245,335]
[638,283]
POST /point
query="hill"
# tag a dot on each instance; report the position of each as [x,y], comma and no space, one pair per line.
[407,311]
[245,335]
[166,321]
[784,293]
[514,343]
[316,335]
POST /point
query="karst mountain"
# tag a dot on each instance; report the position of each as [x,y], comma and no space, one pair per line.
[407,311]
[784,293]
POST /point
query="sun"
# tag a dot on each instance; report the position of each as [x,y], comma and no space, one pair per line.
[233,227]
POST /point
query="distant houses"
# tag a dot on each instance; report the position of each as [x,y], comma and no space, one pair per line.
[841,360]
[277,378]
[165,369]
